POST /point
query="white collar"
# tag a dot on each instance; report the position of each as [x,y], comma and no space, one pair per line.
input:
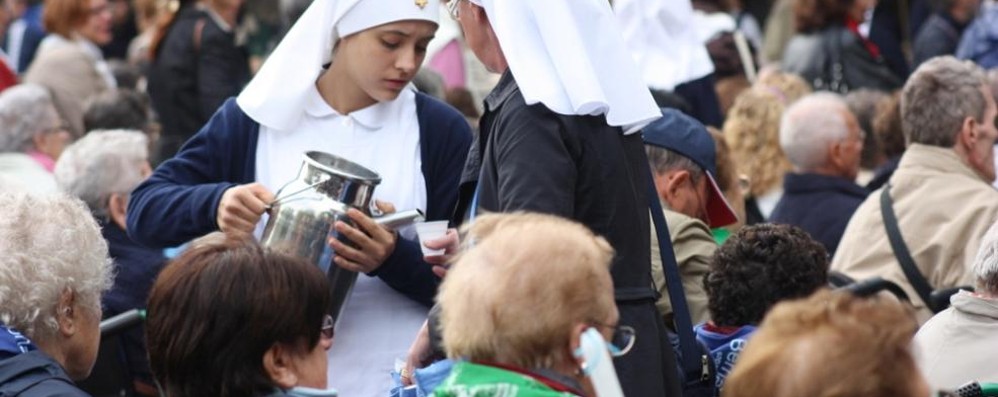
[372,117]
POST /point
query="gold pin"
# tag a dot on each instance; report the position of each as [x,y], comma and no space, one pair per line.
[421,3]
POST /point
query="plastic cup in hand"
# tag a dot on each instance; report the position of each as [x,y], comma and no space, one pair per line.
[431,231]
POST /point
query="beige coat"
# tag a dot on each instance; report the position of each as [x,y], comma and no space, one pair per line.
[959,344]
[694,246]
[943,209]
[71,76]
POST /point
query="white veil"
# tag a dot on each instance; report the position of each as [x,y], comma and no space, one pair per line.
[570,56]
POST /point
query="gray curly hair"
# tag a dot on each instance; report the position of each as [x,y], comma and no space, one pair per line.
[100,164]
[25,110]
[50,245]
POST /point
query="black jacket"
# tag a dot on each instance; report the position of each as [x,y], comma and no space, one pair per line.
[813,56]
[35,374]
[189,79]
[578,167]
[821,205]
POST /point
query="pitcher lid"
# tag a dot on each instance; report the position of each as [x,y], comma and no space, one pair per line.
[337,165]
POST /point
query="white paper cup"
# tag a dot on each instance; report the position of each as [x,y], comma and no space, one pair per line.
[431,231]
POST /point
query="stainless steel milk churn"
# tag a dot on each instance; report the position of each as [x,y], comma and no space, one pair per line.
[306,209]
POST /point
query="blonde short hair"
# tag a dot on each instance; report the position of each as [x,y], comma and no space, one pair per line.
[788,87]
[48,245]
[752,131]
[831,344]
[514,296]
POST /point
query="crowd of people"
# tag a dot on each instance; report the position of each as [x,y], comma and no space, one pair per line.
[738,198]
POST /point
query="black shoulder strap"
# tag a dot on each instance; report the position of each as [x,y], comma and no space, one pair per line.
[900,249]
[694,363]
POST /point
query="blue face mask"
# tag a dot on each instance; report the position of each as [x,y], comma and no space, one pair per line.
[310,392]
[597,364]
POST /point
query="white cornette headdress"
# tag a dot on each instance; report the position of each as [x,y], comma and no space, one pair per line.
[569,55]
[661,36]
[276,96]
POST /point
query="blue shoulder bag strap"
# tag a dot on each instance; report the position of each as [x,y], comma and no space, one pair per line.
[694,362]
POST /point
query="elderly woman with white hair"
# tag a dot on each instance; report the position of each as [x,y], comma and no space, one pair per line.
[958,344]
[55,267]
[102,169]
[32,137]
[504,341]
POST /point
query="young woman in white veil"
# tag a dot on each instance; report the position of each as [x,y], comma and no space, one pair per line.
[338,83]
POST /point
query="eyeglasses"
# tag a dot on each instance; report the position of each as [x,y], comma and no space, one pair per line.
[327,329]
[622,340]
[452,8]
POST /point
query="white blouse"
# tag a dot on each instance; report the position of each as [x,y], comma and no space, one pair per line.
[378,323]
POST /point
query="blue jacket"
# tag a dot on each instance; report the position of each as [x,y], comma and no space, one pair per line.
[178,202]
[724,348]
[819,204]
[35,374]
[980,40]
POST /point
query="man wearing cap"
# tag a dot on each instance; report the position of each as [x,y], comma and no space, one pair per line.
[823,141]
[682,158]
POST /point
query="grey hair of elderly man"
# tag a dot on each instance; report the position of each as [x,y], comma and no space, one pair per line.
[945,103]
[815,132]
[55,268]
[25,111]
[103,168]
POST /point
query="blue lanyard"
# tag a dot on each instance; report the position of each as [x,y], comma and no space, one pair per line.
[473,212]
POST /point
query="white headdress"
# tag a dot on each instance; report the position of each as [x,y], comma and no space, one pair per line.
[276,96]
[662,37]
[570,56]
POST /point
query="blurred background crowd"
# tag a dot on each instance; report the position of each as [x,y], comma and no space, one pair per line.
[806,148]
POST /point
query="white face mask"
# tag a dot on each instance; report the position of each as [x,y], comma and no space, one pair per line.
[597,364]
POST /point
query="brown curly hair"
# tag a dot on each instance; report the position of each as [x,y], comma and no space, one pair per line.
[752,131]
[831,344]
[811,16]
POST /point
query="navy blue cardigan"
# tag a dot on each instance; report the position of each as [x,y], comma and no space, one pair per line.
[178,202]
